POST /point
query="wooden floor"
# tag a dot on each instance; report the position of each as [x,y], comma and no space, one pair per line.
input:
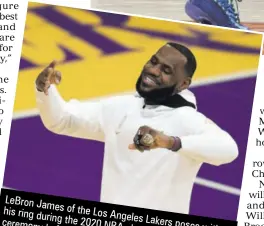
[251,11]
[256,26]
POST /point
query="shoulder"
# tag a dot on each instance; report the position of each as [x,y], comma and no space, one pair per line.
[119,100]
[104,103]
[190,113]
[193,120]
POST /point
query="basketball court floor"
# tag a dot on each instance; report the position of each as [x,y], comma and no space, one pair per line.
[251,11]
[104,49]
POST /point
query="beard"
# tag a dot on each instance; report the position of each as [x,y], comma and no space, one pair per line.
[155,96]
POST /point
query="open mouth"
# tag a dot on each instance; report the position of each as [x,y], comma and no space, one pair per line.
[149,80]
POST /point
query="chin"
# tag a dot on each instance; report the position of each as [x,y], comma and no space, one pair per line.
[145,88]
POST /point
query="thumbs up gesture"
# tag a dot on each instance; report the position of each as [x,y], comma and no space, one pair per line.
[47,77]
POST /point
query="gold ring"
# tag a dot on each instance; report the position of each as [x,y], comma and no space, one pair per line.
[148,139]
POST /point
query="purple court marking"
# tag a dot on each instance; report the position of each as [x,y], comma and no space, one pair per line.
[42,162]
[39,161]
[108,46]
[84,31]
[209,202]
[228,104]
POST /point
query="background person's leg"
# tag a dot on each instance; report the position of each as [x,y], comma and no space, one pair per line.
[223,13]
[251,11]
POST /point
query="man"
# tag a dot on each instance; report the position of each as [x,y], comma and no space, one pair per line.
[215,12]
[155,141]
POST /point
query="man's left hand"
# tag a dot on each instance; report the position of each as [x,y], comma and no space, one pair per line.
[148,138]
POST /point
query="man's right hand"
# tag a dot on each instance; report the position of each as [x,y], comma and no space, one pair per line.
[47,77]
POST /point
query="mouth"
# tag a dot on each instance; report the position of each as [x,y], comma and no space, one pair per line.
[148,80]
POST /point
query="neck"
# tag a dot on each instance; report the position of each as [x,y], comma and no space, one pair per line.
[174,101]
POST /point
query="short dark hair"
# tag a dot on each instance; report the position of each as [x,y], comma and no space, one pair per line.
[190,66]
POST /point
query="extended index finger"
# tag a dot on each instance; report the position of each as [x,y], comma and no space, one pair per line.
[48,71]
[52,64]
[50,74]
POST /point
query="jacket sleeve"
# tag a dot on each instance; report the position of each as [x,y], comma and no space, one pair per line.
[73,118]
[208,143]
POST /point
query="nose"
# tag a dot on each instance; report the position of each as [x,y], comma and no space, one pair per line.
[155,70]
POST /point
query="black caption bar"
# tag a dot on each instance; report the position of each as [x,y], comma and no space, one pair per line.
[30,209]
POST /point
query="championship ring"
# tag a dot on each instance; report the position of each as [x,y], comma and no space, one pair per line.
[147,139]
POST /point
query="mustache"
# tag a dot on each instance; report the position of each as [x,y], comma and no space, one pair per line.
[157,95]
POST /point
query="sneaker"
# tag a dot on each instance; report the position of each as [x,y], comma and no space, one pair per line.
[215,12]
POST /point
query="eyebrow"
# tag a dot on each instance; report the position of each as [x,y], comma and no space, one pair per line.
[166,65]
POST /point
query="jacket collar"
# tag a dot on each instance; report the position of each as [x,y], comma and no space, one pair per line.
[183,99]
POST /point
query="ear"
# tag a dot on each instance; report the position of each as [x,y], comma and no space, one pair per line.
[185,84]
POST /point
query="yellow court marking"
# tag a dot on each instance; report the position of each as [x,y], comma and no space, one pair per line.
[95,74]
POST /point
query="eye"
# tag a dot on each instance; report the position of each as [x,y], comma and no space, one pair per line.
[153,60]
[167,70]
